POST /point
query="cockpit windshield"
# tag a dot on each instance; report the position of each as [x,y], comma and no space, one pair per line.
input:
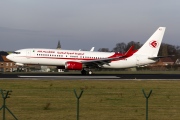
[16,52]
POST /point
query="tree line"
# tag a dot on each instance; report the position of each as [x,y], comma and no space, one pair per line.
[165,49]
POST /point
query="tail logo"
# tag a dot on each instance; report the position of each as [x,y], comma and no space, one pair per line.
[153,44]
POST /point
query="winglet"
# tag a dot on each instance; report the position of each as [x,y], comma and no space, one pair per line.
[129,52]
[92,49]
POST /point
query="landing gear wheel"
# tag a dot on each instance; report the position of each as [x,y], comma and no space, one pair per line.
[83,72]
[86,72]
[89,72]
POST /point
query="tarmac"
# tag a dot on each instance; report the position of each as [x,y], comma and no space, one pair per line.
[93,77]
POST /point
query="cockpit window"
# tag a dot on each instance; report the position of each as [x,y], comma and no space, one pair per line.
[17,52]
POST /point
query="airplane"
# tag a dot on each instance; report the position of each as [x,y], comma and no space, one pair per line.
[85,60]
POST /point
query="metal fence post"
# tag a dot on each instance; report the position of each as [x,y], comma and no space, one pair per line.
[5,94]
[147,97]
[78,97]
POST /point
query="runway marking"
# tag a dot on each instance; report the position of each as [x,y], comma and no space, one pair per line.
[84,77]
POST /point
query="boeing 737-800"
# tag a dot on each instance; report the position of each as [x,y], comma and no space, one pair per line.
[85,60]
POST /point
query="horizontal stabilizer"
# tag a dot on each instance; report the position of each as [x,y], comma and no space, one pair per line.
[158,57]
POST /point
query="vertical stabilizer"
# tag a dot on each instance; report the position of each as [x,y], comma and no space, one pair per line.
[152,45]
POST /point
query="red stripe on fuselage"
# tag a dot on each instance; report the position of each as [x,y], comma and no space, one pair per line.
[61,58]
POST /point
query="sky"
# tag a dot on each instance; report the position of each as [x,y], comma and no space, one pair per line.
[82,24]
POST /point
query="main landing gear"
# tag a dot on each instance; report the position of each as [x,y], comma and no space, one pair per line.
[86,72]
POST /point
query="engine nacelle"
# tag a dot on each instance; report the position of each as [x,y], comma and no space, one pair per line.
[73,66]
[19,64]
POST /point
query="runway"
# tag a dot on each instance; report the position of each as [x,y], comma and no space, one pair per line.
[95,76]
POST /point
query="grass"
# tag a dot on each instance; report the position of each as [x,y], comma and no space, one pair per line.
[101,100]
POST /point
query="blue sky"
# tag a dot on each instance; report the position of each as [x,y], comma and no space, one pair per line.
[82,24]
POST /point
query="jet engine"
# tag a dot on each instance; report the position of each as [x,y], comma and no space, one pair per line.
[73,66]
[19,64]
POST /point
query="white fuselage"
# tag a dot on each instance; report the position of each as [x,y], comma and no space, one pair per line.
[60,57]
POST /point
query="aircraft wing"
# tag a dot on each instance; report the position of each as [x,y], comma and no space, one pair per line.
[100,62]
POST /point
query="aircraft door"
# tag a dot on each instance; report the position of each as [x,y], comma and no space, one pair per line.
[28,55]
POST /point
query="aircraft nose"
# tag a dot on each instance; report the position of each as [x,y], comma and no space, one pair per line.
[9,57]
